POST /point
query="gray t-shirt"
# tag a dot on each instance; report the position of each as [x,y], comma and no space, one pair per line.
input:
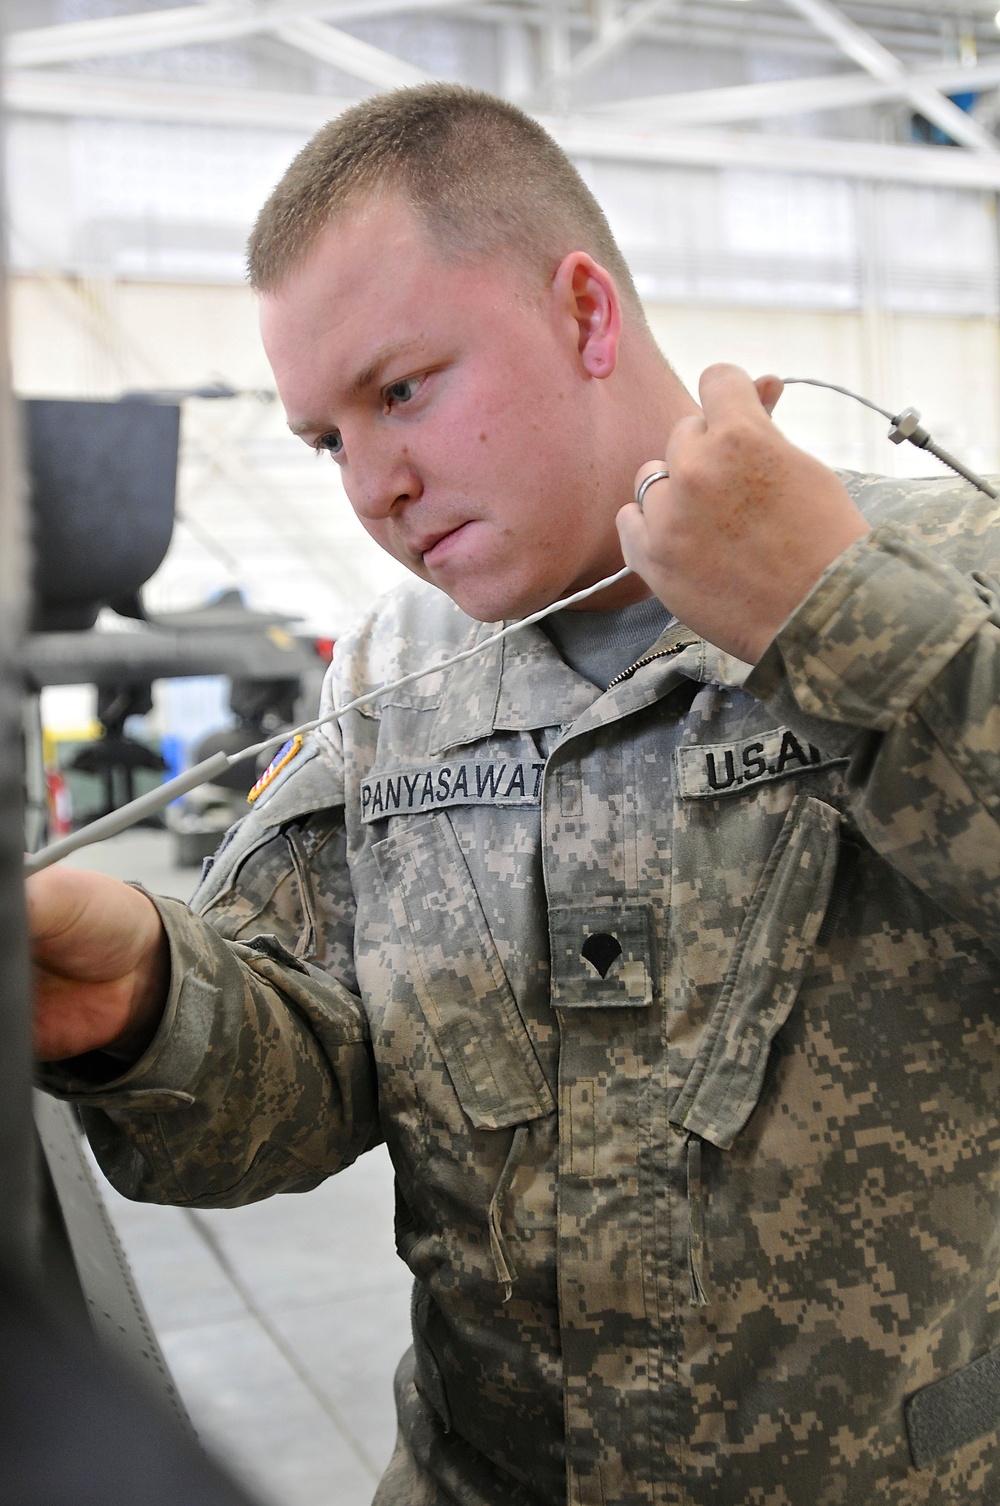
[599,645]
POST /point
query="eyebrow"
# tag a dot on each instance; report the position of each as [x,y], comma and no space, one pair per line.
[364,378]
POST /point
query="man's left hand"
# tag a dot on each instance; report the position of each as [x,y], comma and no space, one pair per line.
[746,524]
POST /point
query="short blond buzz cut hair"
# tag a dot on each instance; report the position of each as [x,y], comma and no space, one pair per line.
[481,175]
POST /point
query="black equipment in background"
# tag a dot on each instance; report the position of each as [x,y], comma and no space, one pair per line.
[102,485]
[102,482]
[114,751]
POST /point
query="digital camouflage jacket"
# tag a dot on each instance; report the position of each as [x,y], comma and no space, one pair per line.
[678,1008]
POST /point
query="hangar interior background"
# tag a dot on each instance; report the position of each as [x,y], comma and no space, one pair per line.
[776,171]
[799,186]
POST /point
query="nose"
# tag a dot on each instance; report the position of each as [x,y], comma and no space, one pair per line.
[381,482]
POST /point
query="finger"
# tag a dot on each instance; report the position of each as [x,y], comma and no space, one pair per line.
[769,390]
[633,533]
[649,468]
[726,391]
[55,900]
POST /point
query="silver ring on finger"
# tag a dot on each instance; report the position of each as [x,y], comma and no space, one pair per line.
[647,482]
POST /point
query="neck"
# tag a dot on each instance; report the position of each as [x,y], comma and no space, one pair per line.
[645,399]
[656,394]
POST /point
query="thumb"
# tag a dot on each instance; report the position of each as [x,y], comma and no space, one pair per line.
[633,531]
[769,390]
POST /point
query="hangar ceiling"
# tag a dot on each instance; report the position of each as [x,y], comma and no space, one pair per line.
[869,89]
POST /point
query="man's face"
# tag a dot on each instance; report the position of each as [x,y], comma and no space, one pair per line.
[455,403]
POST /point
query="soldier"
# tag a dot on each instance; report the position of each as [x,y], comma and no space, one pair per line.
[660,945]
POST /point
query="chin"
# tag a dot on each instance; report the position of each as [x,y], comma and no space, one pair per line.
[505,594]
[496,605]
[482,600]
[481,609]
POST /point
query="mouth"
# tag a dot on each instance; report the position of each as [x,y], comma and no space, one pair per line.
[435,548]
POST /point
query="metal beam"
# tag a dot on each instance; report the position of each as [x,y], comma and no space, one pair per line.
[723,23]
[85,94]
[349,54]
[793,96]
[180,26]
[582,137]
[611,37]
[89,95]
[882,64]
[220,20]
[147,31]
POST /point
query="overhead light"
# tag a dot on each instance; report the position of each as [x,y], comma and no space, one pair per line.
[996,19]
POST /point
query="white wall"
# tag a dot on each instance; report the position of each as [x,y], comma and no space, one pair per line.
[948,368]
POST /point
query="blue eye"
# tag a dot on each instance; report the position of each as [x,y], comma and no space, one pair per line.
[332,442]
[403,390]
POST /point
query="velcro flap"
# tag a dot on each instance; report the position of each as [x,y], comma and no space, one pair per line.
[954,1411]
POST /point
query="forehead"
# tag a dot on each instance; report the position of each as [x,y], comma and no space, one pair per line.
[375,280]
[367,254]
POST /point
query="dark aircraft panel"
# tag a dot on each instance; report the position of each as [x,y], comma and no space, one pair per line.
[97,471]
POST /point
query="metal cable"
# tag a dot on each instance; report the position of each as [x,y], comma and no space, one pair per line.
[914,433]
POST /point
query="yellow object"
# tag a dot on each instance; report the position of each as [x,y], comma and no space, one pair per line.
[54,739]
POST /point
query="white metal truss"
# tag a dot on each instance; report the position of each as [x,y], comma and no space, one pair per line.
[877,60]
[614,31]
[350,54]
[554,49]
[792,96]
[181,26]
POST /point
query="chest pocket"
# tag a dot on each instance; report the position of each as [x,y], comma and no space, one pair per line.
[772,953]
[458,977]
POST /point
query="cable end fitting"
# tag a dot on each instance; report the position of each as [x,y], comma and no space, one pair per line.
[907,425]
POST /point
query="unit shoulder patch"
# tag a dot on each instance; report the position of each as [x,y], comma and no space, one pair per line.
[280,761]
[711,770]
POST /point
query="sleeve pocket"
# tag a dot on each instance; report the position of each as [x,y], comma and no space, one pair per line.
[773,951]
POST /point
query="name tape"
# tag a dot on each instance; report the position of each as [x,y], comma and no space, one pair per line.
[405,792]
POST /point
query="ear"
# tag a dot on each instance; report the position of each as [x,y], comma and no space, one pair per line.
[585,296]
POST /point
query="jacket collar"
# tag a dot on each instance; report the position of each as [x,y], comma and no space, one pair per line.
[521,685]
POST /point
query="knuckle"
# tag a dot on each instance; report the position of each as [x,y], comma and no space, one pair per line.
[740,432]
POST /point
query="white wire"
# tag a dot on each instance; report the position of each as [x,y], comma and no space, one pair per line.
[127,815]
[432,669]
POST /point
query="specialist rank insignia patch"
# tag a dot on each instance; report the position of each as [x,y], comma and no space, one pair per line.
[281,760]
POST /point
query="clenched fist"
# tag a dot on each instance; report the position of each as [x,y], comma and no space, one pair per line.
[101,964]
[746,524]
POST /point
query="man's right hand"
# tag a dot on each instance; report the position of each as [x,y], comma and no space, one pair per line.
[102,964]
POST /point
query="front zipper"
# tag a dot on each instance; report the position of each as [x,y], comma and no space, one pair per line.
[661,653]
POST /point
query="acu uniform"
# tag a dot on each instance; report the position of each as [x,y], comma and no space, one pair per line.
[677,1007]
